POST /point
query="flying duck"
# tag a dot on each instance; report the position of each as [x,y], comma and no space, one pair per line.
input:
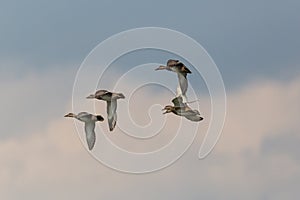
[182,109]
[182,71]
[111,100]
[89,125]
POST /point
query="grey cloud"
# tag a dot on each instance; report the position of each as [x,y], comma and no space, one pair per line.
[286,143]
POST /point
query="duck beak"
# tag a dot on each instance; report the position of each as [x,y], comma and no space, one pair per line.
[92,96]
[164,110]
[160,68]
[68,115]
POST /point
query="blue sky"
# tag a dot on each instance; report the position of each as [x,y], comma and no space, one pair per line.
[248,38]
[256,46]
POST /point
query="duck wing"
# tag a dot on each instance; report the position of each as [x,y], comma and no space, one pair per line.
[89,128]
[112,114]
[182,84]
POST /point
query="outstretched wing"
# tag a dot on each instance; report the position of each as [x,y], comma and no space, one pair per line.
[90,134]
[112,114]
[183,83]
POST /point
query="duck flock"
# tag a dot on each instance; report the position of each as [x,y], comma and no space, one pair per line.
[180,105]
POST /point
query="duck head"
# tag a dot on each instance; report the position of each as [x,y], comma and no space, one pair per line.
[167,109]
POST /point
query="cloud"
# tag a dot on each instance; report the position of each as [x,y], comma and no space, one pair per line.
[254,159]
[260,109]
[33,96]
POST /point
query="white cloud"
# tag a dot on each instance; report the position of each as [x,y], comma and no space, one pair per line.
[50,161]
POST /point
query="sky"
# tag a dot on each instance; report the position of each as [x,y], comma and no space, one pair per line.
[255,45]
